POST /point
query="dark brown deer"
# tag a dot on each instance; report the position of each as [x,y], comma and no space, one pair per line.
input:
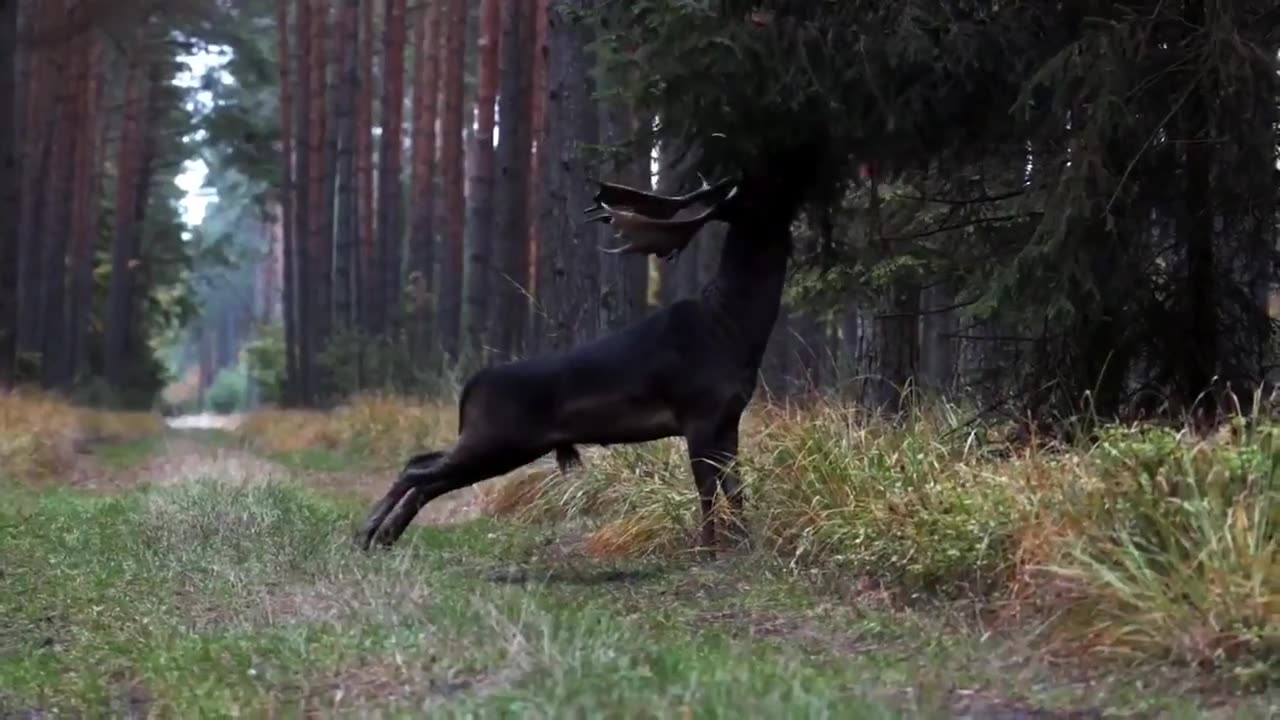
[687,370]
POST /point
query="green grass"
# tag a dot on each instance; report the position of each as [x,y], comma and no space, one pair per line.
[127,454]
[214,599]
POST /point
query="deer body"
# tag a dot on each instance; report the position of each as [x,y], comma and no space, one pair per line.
[688,369]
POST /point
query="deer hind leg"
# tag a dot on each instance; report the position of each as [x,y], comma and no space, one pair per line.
[465,465]
[418,466]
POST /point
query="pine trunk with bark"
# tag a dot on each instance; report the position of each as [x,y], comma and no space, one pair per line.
[42,64]
[453,30]
[570,284]
[84,215]
[422,243]
[288,221]
[131,208]
[55,225]
[330,52]
[514,160]
[9,185]
[538,161]
[481,222]
[319,199]
[302,201]
[128,170]
[390,194]
[346,258]
[366,300]
[623,277]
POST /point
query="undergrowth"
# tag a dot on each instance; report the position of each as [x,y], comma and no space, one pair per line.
[40,432]
[1147,544]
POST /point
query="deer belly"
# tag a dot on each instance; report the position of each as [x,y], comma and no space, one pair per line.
[602,419]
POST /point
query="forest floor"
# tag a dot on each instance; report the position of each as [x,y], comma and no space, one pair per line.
[185,576]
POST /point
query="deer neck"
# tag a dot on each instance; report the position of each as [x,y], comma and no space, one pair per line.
[745,295]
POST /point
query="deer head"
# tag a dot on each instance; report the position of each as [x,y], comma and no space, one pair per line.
[648,222]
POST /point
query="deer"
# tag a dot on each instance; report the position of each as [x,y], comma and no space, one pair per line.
[687,369]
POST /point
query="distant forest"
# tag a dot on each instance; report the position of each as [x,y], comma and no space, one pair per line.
[1044,210]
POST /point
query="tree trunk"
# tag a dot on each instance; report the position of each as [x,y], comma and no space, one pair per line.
[481,222]
[1200,298]
[390,197]
[422,244]
[133,179]
[9,184]
[623,278]
[347,257]
[288,221]
[537,167]
[302,202]
[85,216]
[366,296]
[59,222]
[330,51]
[453,30]
[937,352]
[511,192]
[54,225]
[38,141]
[635,275]
[319,200]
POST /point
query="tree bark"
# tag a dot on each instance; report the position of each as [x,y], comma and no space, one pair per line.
[481,222]
[133,179]
[9,184]
[623,278]
[302,201]
[422,242]
[85,216]
[346,258]
[366,298]
[42,69]
[514,160]
[453,30]
[390,198]
[937,352]
[319,200]
[537,168]
[288,221]
[58,223]
[330,50]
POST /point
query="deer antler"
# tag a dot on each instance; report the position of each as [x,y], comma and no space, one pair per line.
[644,219]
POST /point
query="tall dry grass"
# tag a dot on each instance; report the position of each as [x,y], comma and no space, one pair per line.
[40,432]
[378,427]
[1146,544]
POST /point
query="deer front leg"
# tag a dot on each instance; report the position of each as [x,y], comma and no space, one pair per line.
[708,456]
[734,494]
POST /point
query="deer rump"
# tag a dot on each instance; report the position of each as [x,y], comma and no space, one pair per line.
[672,373]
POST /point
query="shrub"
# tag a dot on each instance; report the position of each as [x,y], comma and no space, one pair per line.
[229,391]
[1177,555]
